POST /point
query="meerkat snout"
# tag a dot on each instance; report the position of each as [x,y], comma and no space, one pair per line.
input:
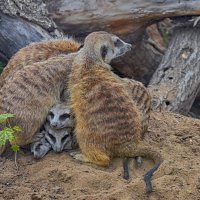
[115,48]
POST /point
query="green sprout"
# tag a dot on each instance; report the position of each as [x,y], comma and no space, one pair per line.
[7,133]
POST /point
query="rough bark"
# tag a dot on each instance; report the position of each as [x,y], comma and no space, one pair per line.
[31,10]
[29,21]
[176,82]
[16,33]
[120,17]
[128,19]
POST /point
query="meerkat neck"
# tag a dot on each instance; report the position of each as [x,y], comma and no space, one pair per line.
[92,58]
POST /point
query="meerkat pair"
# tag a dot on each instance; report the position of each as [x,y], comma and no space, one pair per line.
[56,133]
[109,122]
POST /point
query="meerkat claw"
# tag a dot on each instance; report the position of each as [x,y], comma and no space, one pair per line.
[79,156]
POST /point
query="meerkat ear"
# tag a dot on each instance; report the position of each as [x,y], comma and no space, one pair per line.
[104,51]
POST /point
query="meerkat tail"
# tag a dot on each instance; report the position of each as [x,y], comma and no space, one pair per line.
[143,150]
[147,151]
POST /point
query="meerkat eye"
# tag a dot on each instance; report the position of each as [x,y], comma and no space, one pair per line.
[64,116]
[104,51]
[38,147]
[117,43]
[64,138]
[51,114]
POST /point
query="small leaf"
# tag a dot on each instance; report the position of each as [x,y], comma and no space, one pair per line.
[15,148]
[17,128]
[4,117]
[6,134]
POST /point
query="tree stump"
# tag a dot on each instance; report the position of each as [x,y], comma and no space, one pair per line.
[176,82]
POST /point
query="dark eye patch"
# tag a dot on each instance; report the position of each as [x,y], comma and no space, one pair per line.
[51,114]
[38,147]
[104,51]
[52,138]
[64,116]
[118,43]
[64,138]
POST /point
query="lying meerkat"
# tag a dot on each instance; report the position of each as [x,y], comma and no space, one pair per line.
[31,92]
[57,133]
[37,52]
[108,122]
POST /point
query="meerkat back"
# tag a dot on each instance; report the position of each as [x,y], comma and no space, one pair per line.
[36,52]
[142,98]
[32,92]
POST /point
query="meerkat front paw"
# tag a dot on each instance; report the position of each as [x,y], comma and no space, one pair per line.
[79,156]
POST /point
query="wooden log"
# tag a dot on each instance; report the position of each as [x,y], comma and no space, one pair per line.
[176,82]
[128,19]
[16,33]
[120,17]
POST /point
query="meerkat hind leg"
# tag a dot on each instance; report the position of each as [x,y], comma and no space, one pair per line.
[138,160]
[125,168]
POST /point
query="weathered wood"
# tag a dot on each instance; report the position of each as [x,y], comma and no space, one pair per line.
[176,82]
[120,17]
[16,33]
[128,19]
[31,10]
[29,21]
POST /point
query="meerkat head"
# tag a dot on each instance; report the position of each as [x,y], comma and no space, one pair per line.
[59,116]
[58,139]
[105,46]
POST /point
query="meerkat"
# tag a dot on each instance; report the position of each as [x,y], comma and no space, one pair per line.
[36,52]
[57,132]
[108,122]
[40,145]
[32,91]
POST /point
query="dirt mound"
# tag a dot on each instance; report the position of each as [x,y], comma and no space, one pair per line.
[58,176]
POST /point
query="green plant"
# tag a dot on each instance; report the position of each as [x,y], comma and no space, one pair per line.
[7,133]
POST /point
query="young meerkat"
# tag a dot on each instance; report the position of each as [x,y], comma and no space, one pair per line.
[57,133]
[32,91]
[36,52]
[108,122]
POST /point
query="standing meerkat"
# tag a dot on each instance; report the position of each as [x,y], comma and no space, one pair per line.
[36,52]
[32,91]
[108,122]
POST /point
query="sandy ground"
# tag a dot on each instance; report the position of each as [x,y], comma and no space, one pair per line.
[58,176]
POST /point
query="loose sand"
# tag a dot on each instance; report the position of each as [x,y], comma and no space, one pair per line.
[58,176]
